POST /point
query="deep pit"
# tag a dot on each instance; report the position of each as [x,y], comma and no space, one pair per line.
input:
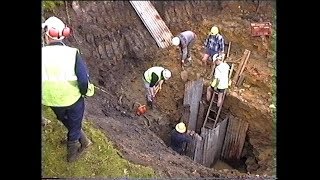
[118,49]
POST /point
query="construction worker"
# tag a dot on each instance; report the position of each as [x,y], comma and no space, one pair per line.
[153,79]
[220,80]
[214,44]
[179,137]
[185,41]
[65,83]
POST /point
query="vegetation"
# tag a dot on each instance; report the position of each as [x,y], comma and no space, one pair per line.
[51,5]
[100,160]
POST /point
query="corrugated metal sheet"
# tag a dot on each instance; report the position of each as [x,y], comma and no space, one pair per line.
[192,97]
[154,23]
[234,139]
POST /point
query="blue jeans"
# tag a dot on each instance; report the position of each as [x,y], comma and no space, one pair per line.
[210,53]
[71,117]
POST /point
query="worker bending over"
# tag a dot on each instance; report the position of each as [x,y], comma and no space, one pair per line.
[185,41]
[153,79]
[180,137]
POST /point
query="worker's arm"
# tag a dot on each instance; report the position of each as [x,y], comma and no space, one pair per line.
[82,74]
[183,54]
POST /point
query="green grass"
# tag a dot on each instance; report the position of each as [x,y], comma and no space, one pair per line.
[101,160]
[51,5]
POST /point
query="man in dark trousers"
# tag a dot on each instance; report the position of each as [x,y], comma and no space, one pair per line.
[65,83]
[185,41]
[179,137]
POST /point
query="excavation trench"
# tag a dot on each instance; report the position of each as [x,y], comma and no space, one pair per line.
[118,49]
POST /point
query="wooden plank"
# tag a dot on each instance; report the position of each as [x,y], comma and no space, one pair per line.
[236,76]
[214,144]
[230,72]
[201,116]
[227,141]
[240,80]
[193,95]
[198,153]
[186,114]
[245,63]
[234,139]
[204,135]
[242,139]
[222,134]
[229,47]
[153,22]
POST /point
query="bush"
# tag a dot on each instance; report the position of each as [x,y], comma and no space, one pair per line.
[51,5]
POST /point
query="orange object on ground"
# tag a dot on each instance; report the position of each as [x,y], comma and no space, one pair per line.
[141,110]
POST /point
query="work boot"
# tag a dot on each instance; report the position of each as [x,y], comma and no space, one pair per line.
[84,141]
[73,151]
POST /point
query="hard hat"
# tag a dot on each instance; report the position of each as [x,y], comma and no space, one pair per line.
[176,41]
[181,127]
[217,57]
[166,74]
[214,30]
[55,28]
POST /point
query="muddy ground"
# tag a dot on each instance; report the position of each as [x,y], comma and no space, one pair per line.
[118,49]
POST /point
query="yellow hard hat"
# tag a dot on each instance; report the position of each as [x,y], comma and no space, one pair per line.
[214,30]
[181,127]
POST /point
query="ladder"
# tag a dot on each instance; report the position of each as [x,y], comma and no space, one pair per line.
[213,110]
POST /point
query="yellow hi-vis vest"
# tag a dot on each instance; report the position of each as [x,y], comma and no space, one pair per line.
[59,81]
[148,73]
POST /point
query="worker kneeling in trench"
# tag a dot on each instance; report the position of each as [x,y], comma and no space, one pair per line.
[180,136]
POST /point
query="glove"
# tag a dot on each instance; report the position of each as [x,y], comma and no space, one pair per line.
[214,83]
[90,90]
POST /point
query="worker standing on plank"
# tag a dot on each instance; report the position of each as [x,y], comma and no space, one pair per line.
[153,78]
[65,83]
[180,136]
[220,80]
[214,44]
[185,41]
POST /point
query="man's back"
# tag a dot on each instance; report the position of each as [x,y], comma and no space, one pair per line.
[177,140]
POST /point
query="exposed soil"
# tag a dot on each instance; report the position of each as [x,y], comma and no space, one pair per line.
[118,49]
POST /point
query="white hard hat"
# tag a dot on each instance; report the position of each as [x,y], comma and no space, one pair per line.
[176,41]
[166,74]
[214,30]
[181,127]
[216,57]
[53,23]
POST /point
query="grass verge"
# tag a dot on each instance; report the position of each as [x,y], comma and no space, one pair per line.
[101,160]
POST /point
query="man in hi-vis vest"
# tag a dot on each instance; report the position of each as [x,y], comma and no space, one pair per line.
[65,83]
[153,78]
